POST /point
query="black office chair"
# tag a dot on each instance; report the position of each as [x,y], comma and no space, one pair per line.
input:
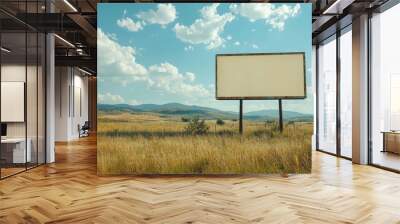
[84,130]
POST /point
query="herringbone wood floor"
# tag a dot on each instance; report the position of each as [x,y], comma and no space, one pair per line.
[69,191]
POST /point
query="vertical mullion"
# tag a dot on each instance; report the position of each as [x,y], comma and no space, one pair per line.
[60,88]
[369,89]
[26,85]
[73,92]
[69,92]
[37,88]
[45,88]
[317,96]
[338,81]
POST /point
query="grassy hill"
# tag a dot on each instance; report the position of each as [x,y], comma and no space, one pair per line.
[177,109]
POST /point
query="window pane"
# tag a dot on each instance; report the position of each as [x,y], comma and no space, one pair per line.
[31,98]
[13,86]
[346,94]
[386,89]
[41,99]
[327,96]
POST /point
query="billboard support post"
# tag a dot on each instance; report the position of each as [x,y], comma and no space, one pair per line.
[280,116]
[241,116]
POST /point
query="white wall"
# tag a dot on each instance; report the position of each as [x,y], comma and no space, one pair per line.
[70,83]
[81,89]
[62,81]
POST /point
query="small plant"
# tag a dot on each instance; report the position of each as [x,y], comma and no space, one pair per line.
[197,127]
[220,122]
[184,119]
[269,123]
[290,122]
[234,120]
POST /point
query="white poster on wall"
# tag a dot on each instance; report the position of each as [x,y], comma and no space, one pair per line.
[12,101]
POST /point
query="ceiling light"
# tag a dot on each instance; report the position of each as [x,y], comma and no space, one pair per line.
[84,71]
[337,7]
[79,51]
[65,41]
[70,5]
[5,50]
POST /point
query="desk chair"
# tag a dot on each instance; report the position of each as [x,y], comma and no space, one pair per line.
[84,130]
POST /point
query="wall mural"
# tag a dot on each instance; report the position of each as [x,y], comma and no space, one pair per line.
[157,107]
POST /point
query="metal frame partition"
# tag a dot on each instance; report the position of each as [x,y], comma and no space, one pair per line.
[38,119]
[339,32]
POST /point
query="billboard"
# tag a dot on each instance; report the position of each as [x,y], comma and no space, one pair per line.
[157,112]
[260,76]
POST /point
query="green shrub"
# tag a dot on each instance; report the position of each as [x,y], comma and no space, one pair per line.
[220,122]
[197,127]
[184,119]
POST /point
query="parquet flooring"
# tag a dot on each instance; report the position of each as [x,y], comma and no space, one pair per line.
[69,191]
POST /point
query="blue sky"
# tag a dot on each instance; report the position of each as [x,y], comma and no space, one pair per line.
[161,53]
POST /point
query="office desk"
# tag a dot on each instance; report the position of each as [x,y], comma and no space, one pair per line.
[13,150]
[391,141]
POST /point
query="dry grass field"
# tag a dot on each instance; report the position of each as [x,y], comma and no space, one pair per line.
[154,144]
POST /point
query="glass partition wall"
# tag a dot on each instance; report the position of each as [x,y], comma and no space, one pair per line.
[334,105]
[334,109]
[385,90]
[346,94]
[22,77]
[327,95]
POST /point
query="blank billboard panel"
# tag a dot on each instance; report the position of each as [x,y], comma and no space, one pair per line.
[261,76]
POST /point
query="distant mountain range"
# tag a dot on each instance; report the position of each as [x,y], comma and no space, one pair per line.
[177,109]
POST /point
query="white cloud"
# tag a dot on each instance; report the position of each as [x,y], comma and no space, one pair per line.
[253,11]
[109,98]
[134,102]
[167,77]
[113,36]
[273,15]
[303,106]
[237,43]
[189,48]
[190,76]
[129,24]
[255,46]
[205,30]
[165,14]
[115,59]
[229,37]
[118,64]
